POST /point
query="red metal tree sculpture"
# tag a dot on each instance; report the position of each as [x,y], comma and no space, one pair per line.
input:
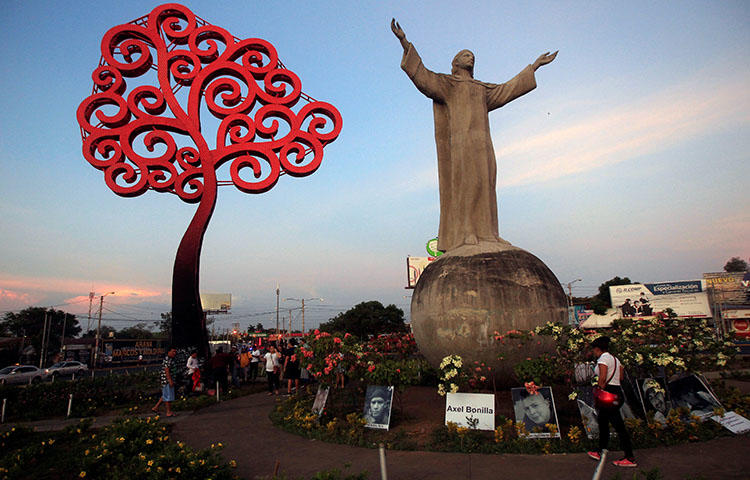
[149,133]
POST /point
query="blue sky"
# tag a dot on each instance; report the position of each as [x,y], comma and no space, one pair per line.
[630,158]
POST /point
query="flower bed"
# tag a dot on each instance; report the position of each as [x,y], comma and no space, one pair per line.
[127,449]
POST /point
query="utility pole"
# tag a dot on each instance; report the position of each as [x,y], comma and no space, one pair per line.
[570,291]
[277,309]
[65,322]
[99,328]
[303,308]
[91,303]
[49,332]
[44,334]
[289,332]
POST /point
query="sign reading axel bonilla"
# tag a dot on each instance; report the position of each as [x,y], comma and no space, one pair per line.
[471,410]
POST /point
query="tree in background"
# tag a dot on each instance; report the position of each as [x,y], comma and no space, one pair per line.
[602,300]
[367,318]
[29,323]
[105,331]
[139,330]
[735,264]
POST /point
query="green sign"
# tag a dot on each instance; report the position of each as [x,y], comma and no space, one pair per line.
[432,248]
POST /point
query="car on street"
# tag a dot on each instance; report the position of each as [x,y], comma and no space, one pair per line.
[66,368]
[15,374]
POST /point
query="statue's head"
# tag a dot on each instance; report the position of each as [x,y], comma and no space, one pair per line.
[464,60]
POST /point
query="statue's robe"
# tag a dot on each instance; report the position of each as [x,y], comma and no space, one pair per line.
[466,159]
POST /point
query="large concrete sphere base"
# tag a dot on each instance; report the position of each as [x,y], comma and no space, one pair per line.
[465,296]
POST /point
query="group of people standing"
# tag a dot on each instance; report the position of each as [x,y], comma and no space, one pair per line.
[282,360]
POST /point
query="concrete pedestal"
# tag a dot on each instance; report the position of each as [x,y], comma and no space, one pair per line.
[465,296]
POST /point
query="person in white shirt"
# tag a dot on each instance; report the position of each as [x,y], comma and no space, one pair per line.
[194,370]
[610,372]
[254,361]
[273,368]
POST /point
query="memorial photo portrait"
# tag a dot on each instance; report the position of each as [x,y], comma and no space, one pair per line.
[692,393]
[320,400]
[535,410]
[654,391]
[377,410]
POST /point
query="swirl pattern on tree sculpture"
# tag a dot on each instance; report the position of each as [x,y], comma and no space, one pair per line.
[150,135]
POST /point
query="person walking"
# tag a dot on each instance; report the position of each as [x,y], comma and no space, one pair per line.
[194,370]
[167,383]
[273,368]
[610,373]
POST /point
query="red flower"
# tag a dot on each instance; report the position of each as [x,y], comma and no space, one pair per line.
[532,388]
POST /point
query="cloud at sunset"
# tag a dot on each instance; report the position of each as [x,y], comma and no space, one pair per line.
[620,134]
[18,292]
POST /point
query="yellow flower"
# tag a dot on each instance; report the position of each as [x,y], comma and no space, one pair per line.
[149,441]
[82,474]
[233,464]
[86,452]
[177,470]
[150,463]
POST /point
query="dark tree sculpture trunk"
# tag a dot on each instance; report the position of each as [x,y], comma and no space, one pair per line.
[188,320]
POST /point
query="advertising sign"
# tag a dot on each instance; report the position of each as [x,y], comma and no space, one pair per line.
[470,410]
[727,287]
[133,351]
[216,302]
[687,298]
[431,248]
[414,268]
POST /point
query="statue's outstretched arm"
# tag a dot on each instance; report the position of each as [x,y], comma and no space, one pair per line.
[399,32]
[544,59]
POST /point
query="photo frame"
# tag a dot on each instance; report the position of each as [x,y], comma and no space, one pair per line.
[321,396]
[535,410]
[693,393]
[655,398]
[378,402]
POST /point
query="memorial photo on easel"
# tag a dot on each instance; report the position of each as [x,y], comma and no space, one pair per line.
[654,393]
[536,409]
[633,406]
[589,415]
[690,392]
[320,400]
[378,400]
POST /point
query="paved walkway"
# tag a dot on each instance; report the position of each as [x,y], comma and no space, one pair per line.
[243,427]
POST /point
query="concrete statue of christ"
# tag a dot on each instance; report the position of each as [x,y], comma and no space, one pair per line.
[467,169]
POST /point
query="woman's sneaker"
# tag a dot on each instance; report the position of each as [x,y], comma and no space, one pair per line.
[624,463]
[595,455]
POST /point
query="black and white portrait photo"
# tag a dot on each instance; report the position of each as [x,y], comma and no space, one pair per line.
[654,393]
[535,410]
[377,411]
[690,392]
[320,400]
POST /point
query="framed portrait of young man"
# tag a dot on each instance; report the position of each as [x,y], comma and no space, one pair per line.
[536,410]
[377,412]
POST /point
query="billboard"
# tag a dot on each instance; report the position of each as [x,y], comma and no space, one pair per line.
[728,287]
[686,298]
[216,302]
[414,268]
